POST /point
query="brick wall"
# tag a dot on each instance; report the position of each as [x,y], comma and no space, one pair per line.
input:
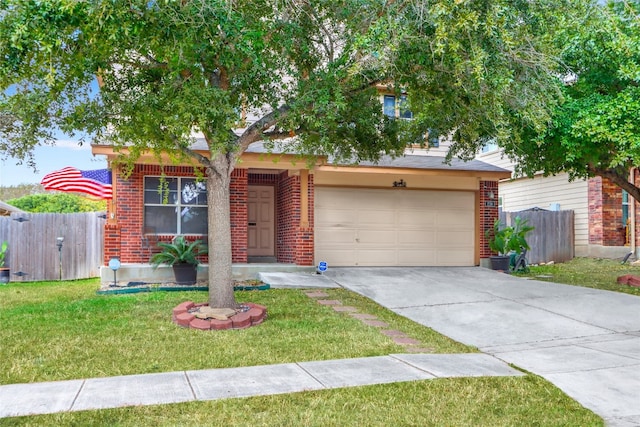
[605,213]
[488,214]
[124,238]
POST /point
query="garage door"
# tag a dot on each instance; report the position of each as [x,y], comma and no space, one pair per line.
[366,227]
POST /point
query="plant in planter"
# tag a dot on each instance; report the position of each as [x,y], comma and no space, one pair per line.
[507,240]
[182,255]
[5,273]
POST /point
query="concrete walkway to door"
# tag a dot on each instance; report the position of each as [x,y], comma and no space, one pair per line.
[585,341]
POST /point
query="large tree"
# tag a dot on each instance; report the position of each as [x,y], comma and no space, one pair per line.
[596,130]
[478,68]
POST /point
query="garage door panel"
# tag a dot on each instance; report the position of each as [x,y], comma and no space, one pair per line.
[338,199]
[412,200]
[455,218]
[454,239]
[417,237]
[373,257]
[378,227]
[339,257]
[453,258]
[416,219]
[413,258]
[455,199]
[336,218]
[332,236]
[375,199]
[382,238]
[377,217]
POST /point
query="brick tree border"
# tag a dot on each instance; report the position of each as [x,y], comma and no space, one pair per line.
[183,316]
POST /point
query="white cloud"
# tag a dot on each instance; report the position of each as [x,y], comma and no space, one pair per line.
[73,145]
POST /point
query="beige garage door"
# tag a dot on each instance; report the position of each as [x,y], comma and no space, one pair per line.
[355,227]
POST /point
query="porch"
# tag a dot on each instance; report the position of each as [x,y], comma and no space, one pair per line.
[164,274]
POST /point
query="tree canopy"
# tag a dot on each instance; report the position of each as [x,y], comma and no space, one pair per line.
[478,69]
[596,130]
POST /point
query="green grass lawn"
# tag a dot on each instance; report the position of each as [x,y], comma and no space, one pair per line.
[64,330]
[588,272]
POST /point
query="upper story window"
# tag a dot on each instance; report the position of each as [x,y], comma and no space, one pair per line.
[489,146]
[396,107]
[174,205]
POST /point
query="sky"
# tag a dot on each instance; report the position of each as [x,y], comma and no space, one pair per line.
[48,159]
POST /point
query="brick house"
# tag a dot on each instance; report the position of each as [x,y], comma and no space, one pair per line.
[605,216]
[410,211]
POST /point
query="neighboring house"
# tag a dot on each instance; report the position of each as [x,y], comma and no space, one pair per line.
[604,218]
[410,211]
[6,209]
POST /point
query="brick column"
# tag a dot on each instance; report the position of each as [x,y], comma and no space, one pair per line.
[238,194]
[111,242]
[488,214]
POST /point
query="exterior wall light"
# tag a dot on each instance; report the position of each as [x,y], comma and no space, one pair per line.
[114,264]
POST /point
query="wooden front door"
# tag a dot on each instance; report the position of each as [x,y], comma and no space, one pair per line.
[261,227]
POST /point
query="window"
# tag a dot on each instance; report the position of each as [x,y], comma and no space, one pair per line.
[489,146]
[396,107]
[433,138]
[625,208]
[185,210]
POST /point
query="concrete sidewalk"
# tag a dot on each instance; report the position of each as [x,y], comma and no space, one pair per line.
[176,387]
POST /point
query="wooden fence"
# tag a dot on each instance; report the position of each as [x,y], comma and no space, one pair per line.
[553,238]
[33,250]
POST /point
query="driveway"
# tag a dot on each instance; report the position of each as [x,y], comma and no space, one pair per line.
[585,341]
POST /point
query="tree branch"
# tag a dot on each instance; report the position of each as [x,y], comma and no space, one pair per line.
[190,153]
[621,180]
[255,132]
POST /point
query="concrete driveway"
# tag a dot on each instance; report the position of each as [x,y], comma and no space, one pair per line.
[585,341]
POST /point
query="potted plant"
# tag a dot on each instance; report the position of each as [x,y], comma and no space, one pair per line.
[507,240]
[5,273]
[182,255]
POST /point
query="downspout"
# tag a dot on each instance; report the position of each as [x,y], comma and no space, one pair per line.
[632,216]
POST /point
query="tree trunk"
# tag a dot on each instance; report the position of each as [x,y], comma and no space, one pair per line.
[219,222]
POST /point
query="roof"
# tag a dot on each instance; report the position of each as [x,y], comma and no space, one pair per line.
[433,162]
[407,161]
[6,209]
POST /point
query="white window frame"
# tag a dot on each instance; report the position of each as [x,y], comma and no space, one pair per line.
[181,207]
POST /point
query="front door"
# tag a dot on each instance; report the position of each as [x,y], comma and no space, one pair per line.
[261,227]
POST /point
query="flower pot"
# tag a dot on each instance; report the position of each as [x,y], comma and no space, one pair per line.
[5,275]
[500,262]
[185,274]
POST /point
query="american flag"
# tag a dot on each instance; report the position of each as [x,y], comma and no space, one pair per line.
[96,183]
